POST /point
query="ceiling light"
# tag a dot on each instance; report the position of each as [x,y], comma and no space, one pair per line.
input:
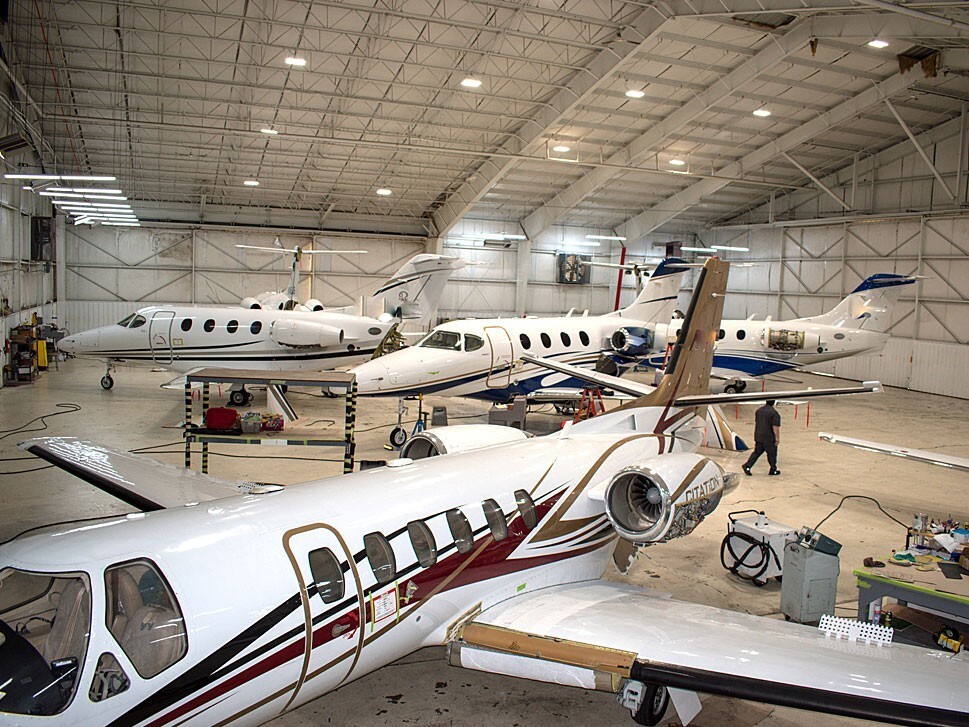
[113,206]
[677,162]
[762,113]
[605,237]
[561,148]
[55,177]
[83,190]
[295,61]
[697,249]
[384,192]
[471,82]
[877,43]
[635,93]
[122,224]
[251,182]
[728,247]
[272,132]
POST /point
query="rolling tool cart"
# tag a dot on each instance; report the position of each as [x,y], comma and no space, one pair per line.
[753,548]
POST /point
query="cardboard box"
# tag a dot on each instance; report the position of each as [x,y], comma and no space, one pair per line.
[964,558]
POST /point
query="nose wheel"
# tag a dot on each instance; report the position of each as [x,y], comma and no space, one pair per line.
[107,382]
[239,397]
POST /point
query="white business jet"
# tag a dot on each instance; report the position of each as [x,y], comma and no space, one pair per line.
[215,607]
[480,358]
[185,338]
[858,324]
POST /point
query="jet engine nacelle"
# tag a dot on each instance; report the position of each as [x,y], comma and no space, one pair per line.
[290,332]
[632,341]
[664,497]
[460,438]
[313,304]
[252,303]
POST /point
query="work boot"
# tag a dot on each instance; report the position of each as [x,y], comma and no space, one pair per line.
[774,472]
[746,470]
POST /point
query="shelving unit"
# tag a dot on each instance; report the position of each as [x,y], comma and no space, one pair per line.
[299,437]
[23,364]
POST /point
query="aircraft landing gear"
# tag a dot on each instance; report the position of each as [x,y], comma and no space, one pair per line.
[647,703]
[239,397]
[398,435]
[107,382]
[735,387]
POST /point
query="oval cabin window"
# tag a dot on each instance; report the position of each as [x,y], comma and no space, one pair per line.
[546,340]
[232,326]
[209,325]
[526,341]
[584,337]
[186,324]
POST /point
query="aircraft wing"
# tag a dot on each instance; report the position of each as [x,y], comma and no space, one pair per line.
[637,389]
[139,481]
[596,634]
[917,455]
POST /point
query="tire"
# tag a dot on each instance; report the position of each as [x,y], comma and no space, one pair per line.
[107,382]
[656,700]
[741,387]
[398,436]
[731,389]
[238,398]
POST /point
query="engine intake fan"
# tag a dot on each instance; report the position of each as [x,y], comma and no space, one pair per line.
[638,504]
[632,341]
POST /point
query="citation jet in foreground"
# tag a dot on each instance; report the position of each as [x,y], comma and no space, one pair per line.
[215,608]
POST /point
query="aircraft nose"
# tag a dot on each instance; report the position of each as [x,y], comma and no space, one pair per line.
[67,344]
[372,377]
[80,343]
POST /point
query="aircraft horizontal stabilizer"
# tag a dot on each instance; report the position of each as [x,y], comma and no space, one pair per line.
[637,389]
[916,455]
[598,635]
[139,481]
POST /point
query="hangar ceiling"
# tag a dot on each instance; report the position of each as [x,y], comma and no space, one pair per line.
[176,98]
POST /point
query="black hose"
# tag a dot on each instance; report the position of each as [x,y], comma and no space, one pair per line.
[762,550]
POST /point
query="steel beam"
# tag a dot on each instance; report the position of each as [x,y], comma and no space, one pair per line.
[919,149]
[817,181]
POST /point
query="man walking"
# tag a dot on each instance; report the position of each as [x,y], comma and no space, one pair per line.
[767,435]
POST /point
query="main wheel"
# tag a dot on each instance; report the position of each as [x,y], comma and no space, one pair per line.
[741,386]
[731,389]
[238,398]
[107,382]
[398,436]
[654,705]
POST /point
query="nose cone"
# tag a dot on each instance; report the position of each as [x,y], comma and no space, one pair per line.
[68,344]
[81,343]
[373,377]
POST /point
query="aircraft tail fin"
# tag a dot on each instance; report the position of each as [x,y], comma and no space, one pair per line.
[869,306]
[414,291]
[688,370]
[657,299]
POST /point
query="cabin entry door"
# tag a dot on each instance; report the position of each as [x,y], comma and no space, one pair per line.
[160,336]
[502,357]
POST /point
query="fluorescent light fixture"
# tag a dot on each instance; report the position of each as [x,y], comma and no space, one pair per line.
[66,178]
[878,43]
[102,205]
[122,224]
[251,182]
[28,188]
[605,237]
[83,190]
[728,247]
[677,162]
[295,61]
[118,197]
[267,130]
[561,148]
[471,82]
[384,192]
[77,195]
[71,202]
[635,93]
[763,113]
[697,249]
[47,193]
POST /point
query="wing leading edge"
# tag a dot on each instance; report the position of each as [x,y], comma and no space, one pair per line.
[141,482]
[597,634]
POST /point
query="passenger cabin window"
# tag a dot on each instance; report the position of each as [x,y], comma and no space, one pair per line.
[721,335]
[526,506]
[447,340]
[255,327]
[327,574]
[584,337]
[232,326]
[472,342]
[496,519]
[45,620]
[839,336]
[460,531]
[526,341]
[144,616]
[741,334]
[137,322]
[186,324]
[422,539]
[566,339]
[109,679]
[209,325]
[546,340]
[381,557]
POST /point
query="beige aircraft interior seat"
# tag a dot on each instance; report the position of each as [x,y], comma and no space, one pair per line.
[72,622]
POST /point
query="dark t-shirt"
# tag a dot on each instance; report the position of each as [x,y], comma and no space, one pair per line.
[766,419]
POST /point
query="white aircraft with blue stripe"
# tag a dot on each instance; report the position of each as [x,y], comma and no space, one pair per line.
[748,348]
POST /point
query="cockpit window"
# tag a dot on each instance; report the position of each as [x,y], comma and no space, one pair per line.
[126,320]
[448,340]
[144,617]
[472,342]
[137,322]
[45,623]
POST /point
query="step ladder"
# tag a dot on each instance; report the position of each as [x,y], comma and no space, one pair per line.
[590,404]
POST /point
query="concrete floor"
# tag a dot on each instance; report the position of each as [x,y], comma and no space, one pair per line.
[421,689]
